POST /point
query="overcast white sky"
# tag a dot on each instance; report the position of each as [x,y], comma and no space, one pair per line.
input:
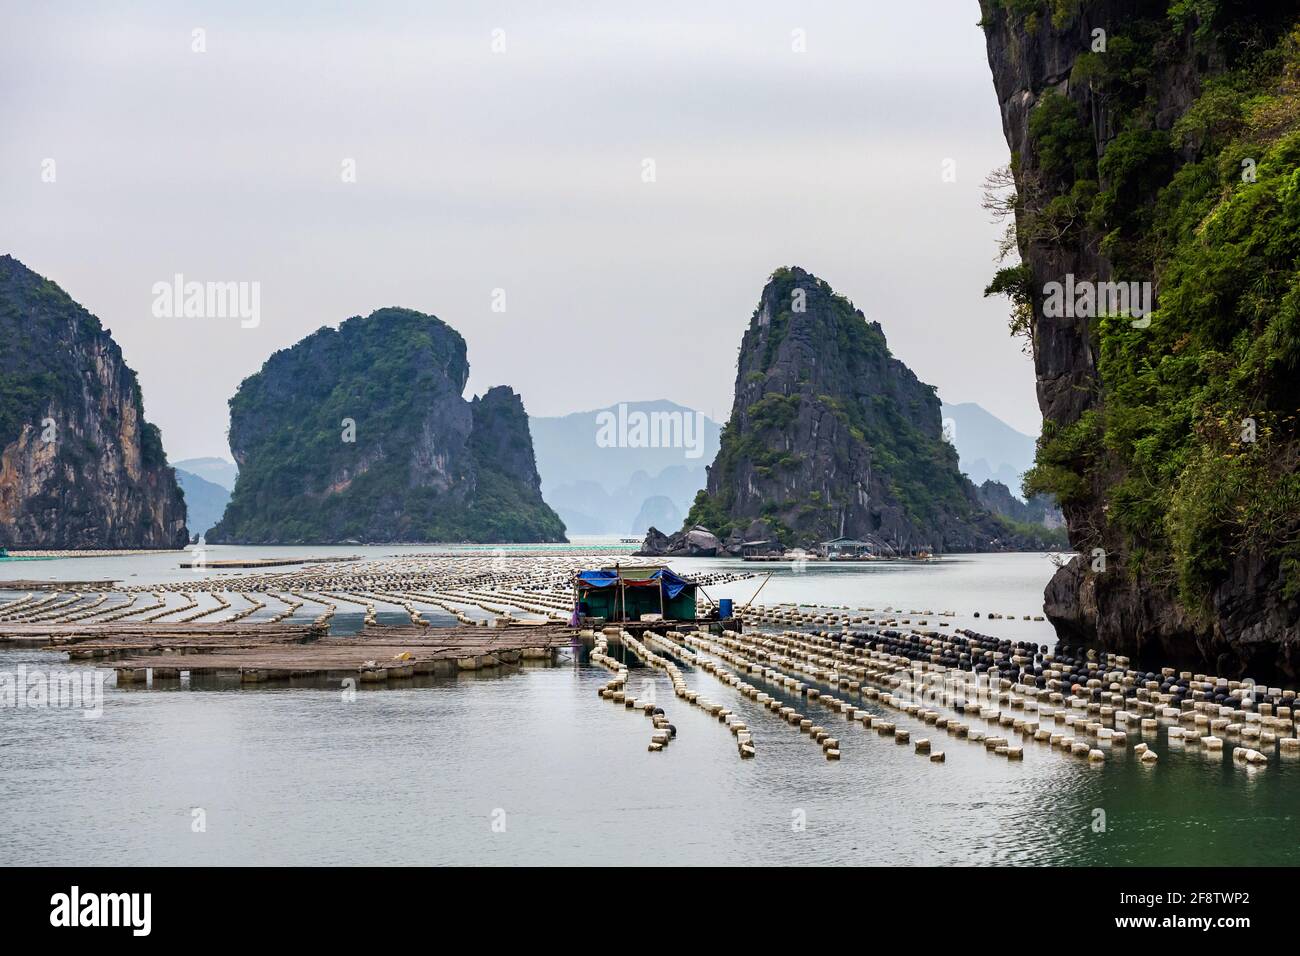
[519,170]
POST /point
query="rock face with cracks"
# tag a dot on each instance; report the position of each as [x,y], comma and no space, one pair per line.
[80,468]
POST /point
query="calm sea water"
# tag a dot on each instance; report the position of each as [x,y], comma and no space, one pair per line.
[532,767]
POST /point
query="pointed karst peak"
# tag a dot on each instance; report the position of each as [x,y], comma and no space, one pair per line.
[793,292]
[787,277]
[830,436]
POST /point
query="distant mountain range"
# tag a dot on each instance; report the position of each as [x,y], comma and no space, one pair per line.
[988,447]
[207,483]
[625,488]
[205,502]
[619,469]
[218,471]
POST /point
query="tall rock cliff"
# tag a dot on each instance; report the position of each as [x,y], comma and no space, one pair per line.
[832,436]
[79,465]
[361,434]
[1158,142]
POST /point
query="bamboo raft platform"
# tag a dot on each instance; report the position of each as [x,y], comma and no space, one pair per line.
[114,643]
[229,563]
[27,584]
[60,635]
[274,622]
[378,653]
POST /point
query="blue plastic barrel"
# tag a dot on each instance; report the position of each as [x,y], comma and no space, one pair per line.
[724,607]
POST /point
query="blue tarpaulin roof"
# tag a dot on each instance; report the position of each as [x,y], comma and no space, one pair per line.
[672,584]
[598,579]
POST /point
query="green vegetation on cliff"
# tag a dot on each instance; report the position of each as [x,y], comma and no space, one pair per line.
[1192,440]
[361,433]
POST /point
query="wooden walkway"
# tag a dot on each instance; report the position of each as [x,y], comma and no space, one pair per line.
[145,633]
[377,653]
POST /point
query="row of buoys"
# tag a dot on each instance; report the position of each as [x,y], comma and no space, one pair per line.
[292,606]
[85,610]
[65,611]
[713,578]
[852,712]
[176,610]
[1109,680]
[789,714]
[1154,694]
[29,609]
[346,597]
[615,690]
[12,607]
[1106,736]
[1199,710]
[322,620]
[744,739]
[794,615]
[53,610]
[445,601]
[221,605]
[441,603]
[739,729]
[958,693]
[728,647]
[664,731]
[159,604]
[551,608]
[99,612]
[814,671]
[254,605]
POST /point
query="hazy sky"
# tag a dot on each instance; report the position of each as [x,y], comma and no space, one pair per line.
[519,170]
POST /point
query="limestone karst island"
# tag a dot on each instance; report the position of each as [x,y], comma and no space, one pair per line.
[865,436]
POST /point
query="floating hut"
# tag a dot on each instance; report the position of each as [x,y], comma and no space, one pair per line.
[649,593]
[849,549]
